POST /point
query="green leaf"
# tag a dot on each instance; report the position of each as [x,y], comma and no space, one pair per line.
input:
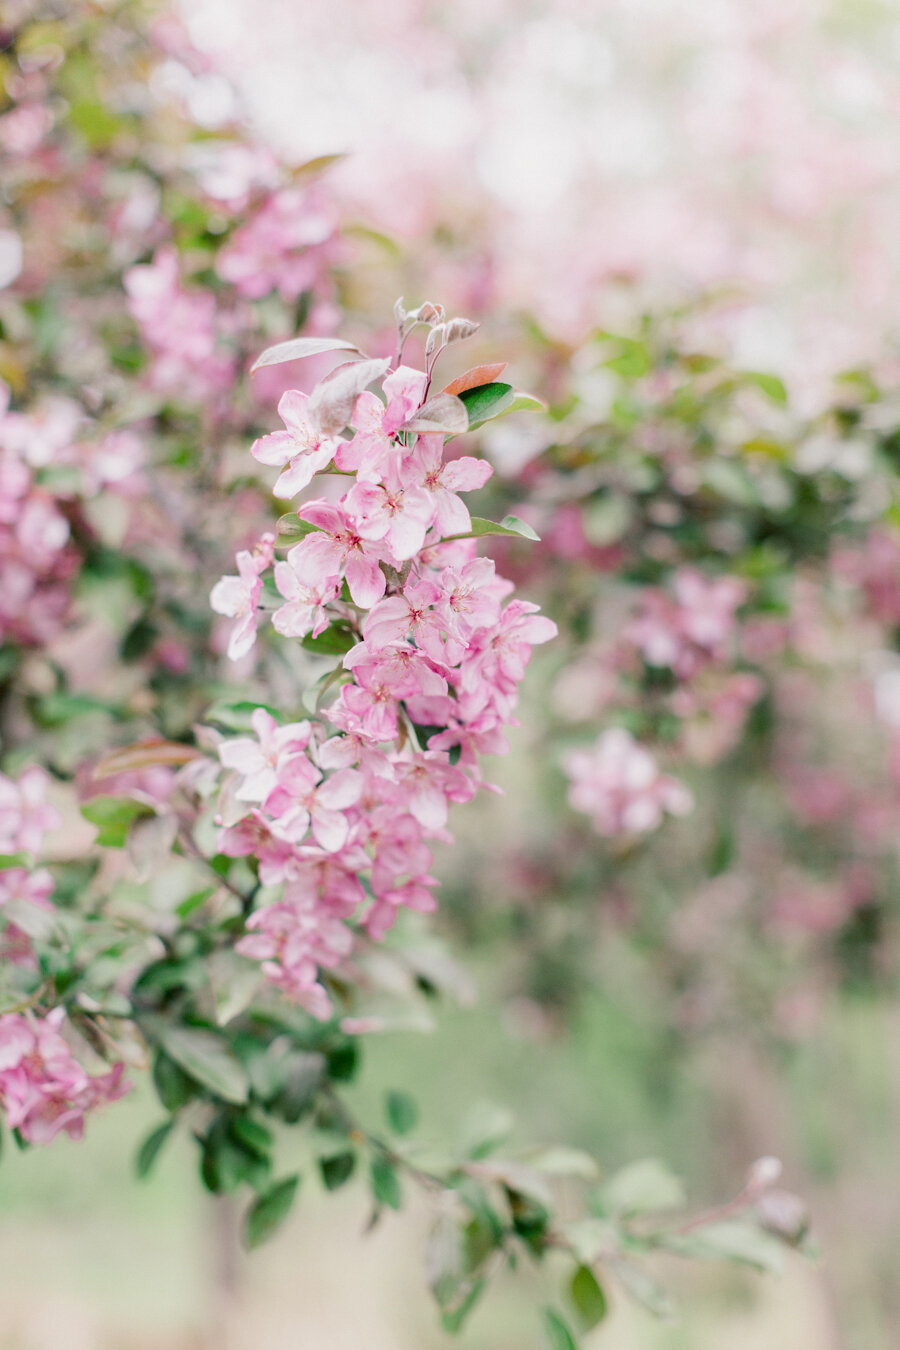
[269,1211]
[402,1112]
[642,1287]
[151,1148]
[454,1319]
[588,1297]
[770,385]
[385,1182]
[560,1161]
[207,1058]
[510,525]
[8,860]
[252,1135]
[643,1187]
[290,529]
[96,123]
[337,639]
[173,1086]
[55,710]
[236,716]
[559,1336]
[731,1240]
[486,401]
[526,403]
[337,1169]
[113,816]
[731,481]
[631,361]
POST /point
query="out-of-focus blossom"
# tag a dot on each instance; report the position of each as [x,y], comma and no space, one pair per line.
[618,784]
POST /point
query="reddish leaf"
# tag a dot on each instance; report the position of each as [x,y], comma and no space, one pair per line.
[144,755]
[471,379]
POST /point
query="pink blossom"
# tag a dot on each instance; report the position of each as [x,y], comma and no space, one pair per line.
[25,816]
[43,1088]
[305,611]
[469,599]
[300,803]
[275,249]
[263,761]
[692,626]
[27,890]
[237,597]
[425,467]
[618,784]
[301,447]
[386,510]
[180,327]
[337,549]
[305,931]
[44,431]
[377,423]
[413,614]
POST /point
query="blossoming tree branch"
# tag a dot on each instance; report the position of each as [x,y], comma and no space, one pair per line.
[313,830]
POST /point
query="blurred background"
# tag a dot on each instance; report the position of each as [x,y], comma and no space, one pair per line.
[648,203]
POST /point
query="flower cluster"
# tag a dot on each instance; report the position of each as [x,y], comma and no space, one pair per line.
[43,1088]
[340,809]
[181,329]
[617,782]
[47,464]
[284,247]
[690,626]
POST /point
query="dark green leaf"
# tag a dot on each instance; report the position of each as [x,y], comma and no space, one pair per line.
[269,1211]
[337,1169]
[151,1148]
[343,1061]
[486,401]
[337,639]
[252,1135]
[173,1086]
[402,1112]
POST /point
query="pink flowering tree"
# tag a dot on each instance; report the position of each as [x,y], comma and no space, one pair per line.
[224,782]
[281,849]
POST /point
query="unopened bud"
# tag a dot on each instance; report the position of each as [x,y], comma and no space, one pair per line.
[784,1215]
[763,1174]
